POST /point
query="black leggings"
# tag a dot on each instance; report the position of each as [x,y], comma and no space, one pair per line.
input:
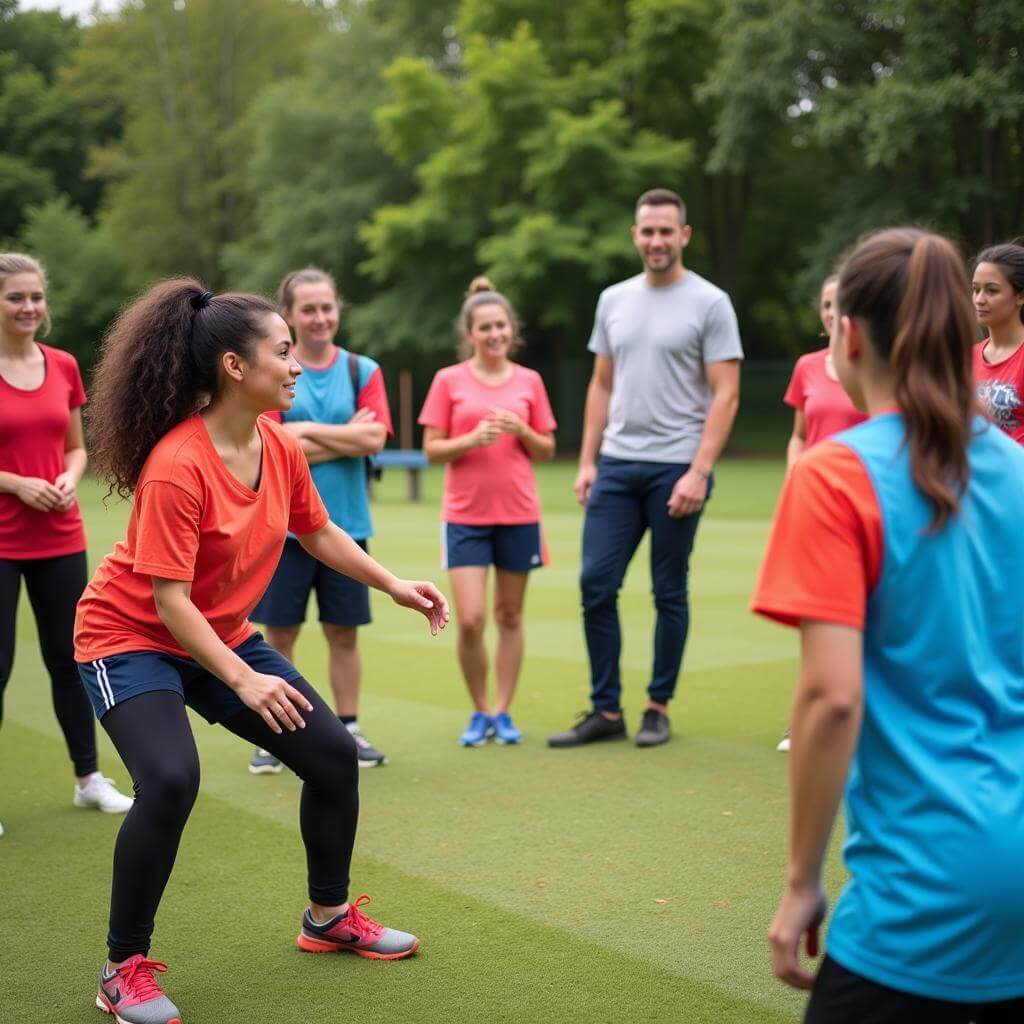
[842,997]
[54,586]
[153,737]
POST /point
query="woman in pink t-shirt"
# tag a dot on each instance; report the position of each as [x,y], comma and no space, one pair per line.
[998,292]
[487,418]
[821,407]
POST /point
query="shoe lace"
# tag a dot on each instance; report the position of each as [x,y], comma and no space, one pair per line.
[137,977]
[361,741]
[583,716]
[360,922]
[651,717]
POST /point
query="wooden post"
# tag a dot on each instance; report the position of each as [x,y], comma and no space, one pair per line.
[405,430]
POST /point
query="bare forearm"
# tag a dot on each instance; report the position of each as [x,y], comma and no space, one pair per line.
[540,447]
[794,450]
[189,627]
[9,483]
[448,449]
[824,735]
[347,439]
[595,419]
[75,461]
[336,549]
[717,428]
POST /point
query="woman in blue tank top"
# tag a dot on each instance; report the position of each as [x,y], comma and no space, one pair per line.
[898,551]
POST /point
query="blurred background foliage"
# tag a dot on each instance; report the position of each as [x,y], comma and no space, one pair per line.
[408,145]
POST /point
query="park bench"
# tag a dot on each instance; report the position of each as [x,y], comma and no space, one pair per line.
[410,459]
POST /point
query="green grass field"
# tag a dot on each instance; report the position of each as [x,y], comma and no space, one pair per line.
[610,884]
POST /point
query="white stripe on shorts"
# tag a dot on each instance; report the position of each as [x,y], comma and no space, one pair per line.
[104,683]
[444,544]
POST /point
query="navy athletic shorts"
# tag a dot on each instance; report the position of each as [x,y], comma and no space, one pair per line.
[113,680]
[517,548]
[341,600]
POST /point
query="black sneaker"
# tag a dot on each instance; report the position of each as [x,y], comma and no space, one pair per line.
[369,755]
[589,728]
[654,729]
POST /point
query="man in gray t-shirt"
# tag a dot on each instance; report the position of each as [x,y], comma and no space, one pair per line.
[660,406]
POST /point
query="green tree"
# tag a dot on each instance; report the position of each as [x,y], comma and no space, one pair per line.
[523,173]
[916,108]
[44,140]
[89,278]
[183,76]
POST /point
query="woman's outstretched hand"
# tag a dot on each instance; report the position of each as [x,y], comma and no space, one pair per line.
[423,597]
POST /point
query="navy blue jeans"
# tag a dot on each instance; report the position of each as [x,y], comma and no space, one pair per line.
[629,498]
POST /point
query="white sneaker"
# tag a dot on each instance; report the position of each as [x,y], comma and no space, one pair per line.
[1,828]
[100,792]
[783,747]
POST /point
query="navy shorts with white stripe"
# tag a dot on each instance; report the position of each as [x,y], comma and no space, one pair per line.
[113,680]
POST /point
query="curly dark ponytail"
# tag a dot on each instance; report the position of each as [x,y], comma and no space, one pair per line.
[159,363]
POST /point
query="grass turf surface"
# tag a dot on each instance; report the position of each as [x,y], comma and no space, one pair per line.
[603,884]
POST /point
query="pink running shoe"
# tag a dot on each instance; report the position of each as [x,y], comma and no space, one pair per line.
[354,932]
[134,996]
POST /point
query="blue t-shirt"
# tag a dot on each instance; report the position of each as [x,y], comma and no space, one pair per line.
[935,797]
[326,396]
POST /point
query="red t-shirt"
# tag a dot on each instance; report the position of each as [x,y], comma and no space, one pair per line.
[824,554]
[1000,389]
[33,432]
[826,406]
[493,485]
[193,520]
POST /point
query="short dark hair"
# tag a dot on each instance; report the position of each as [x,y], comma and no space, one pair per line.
[663,197]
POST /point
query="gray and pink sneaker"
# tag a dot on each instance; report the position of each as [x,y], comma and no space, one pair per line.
[134,996]
[354,932]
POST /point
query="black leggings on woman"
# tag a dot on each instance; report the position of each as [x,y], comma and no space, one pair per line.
[153,736]
[54,586]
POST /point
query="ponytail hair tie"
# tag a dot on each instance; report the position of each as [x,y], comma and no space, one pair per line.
[201,301]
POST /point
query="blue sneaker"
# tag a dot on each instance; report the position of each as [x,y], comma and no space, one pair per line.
[505,730]
[480,727]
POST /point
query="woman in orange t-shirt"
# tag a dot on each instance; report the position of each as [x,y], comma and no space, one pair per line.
[177,420]
[42,541]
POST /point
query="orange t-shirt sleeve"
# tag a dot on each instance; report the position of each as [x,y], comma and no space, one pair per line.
[307,512]
[167,531]
[824,553]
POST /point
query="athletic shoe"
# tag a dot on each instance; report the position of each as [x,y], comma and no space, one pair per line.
[101,792]
[783,745]
[134,996]
[1,828]
[654,729]
[505,730]
[354,932]
[263,762]
[369,755]
[480,727]
[590,727]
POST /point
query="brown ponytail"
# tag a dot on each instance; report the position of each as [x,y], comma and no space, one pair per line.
[910,291]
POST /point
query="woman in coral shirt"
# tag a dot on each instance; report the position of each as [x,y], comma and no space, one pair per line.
[488,418]
[42,540]
[177,420]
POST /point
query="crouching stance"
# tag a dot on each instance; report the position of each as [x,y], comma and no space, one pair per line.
[176,420]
